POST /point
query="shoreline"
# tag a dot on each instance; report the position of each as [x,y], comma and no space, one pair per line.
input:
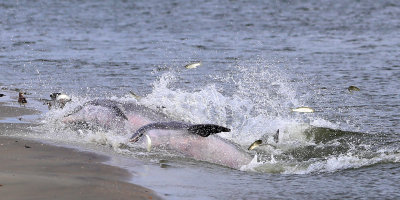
[34,169]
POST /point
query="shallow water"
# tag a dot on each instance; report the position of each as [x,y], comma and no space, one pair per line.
[259,60]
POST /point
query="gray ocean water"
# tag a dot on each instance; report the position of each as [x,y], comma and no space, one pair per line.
[259,59]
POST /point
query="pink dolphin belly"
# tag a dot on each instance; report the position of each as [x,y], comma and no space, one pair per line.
[211,149]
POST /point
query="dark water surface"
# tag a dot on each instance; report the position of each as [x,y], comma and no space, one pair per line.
[259,60]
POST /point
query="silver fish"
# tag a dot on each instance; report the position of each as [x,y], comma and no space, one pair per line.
[303,110]
[255,144]
[353,88]
[192,65]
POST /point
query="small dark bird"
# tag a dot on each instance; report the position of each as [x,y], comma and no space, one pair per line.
[22,99]
[2,95]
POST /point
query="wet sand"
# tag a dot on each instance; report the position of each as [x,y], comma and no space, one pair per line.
[33,170]
[7,111]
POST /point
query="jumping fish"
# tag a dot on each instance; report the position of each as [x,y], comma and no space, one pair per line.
[134,95]
[258,143]
[193,65]
[303,110]
[255,144]
[353,88]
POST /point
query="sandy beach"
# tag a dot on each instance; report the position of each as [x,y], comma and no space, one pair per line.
[34,170]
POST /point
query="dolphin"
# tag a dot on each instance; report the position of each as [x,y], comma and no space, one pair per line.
[196,141]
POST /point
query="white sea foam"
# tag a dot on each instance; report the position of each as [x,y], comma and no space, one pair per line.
[257,108]
[342,162]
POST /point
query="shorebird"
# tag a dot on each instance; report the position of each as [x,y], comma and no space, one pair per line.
[59,99]
[22,99]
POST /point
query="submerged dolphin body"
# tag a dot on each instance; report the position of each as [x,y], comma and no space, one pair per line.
[196,141]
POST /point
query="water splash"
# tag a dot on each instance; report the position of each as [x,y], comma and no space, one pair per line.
[255,102]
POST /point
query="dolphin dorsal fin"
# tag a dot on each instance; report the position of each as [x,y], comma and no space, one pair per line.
[203,130]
